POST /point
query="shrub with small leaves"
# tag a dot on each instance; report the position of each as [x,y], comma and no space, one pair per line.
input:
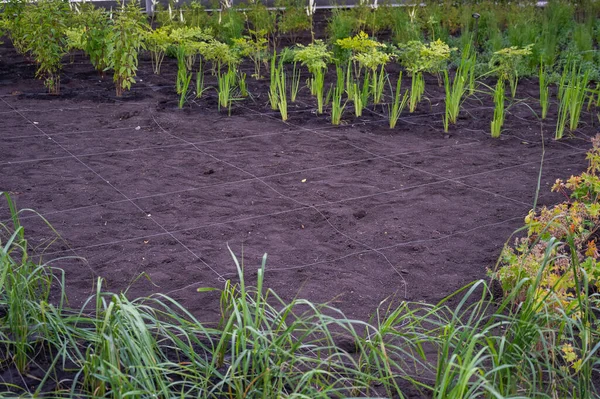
[44,36]
[124,40]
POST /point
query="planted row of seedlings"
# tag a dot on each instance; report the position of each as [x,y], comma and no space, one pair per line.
[541,340]
[48,30]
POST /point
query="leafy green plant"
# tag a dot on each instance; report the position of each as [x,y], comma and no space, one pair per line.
[281,92]
[124,41]
[294,18]
[417,58]
[273,86]
[255,49]
[189,43]
[498,120]
[96,26]
[263,22]
[506,64]
[374,62]
[315,57]
[184,76]
[157,42]
[399,103]
[226,87]
[341,24]
[43,35]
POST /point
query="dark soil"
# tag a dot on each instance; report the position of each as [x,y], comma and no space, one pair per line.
[149,197]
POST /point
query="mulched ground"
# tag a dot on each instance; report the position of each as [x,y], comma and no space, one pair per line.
[349,215]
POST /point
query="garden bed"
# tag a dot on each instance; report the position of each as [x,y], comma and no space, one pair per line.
[349,215]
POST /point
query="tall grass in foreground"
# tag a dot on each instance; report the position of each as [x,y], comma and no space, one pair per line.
[268,347]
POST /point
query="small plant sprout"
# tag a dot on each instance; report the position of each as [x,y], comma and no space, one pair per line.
[506,63]
[273,91]
[295,83]
[399,103]
[315,57]
[337,108]
[544,90]
[498,121]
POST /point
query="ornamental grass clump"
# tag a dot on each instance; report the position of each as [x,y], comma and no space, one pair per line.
[572,93]
[456,90]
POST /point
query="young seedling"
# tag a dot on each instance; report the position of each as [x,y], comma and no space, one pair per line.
[399,103]
[498,121]
[544,90]
[295,83]
[337,108]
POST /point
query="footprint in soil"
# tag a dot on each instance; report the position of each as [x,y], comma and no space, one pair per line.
[359,214]
[126,115]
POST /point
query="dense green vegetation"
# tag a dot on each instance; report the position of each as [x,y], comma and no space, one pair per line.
[488,44]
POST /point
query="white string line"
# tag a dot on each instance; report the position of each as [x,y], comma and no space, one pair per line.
[236,181]
[336,229]
[301,204]
[158,147]
[220,278]
[254,217]
[74,133]
[325,204]
[456,179]
[387,158]
[356,253]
